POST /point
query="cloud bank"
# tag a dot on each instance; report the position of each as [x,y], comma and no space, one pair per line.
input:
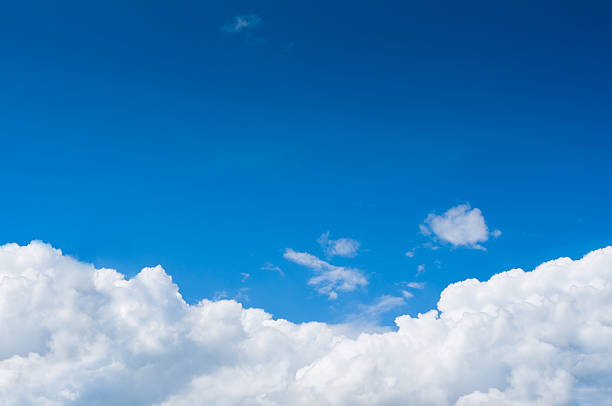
[460,226]
[76,335]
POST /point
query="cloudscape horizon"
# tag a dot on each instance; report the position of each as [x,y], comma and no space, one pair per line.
[316,203]
[82,335]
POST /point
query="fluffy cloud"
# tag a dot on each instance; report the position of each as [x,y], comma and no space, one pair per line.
[460,226]
[242,22]
[76,335]
[342,247]
[330,279]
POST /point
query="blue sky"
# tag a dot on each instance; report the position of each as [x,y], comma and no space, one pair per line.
[143,133]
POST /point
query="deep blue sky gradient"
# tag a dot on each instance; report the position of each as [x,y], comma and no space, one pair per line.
[135,133]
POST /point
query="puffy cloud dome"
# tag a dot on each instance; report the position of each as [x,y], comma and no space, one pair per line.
[76,335]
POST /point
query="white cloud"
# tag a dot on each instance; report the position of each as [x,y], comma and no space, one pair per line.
[410,254]
[220,295]
[245,276]
[342,247]
[407,295]
[271,267]
[366,318]
[242,22]
[460,226]
[415,285]
[86,336]
[384,304]
[242,295]
[429,244]
[330,279]
[420,268]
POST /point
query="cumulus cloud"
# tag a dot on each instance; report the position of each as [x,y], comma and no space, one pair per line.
[342,247]
[460,226]
[330,279]
[241,23]
[77,335]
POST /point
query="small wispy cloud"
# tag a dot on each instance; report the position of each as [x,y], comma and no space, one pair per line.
[430,245]
[245,276]
[407,295]
[242,295]
[367,316]
[414,285]
[330,279]
[220,295]
[342,247]
[460,226]
[242,22]
[420,269]
[271,267]
[410,253]
[384,304]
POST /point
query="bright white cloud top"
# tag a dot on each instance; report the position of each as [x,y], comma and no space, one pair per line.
[460,226]
[76,335]
[330,279]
